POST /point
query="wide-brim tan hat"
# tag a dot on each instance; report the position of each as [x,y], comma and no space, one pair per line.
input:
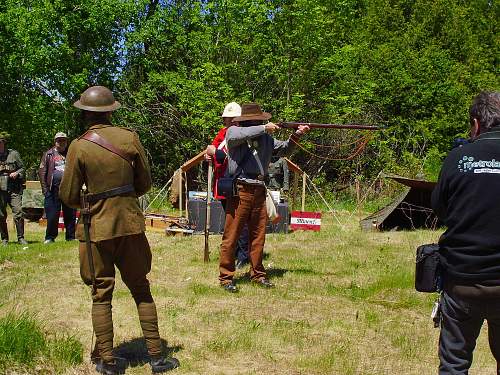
[252,111]
[97,99]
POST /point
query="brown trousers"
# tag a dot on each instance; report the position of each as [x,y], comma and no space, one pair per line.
[248,207]
[132,255]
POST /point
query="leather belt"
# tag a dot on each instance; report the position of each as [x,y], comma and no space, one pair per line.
[92,198]
[255,176]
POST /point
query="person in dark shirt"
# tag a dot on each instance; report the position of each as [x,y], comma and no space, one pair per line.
[467,200]
[279,177]
[50,174]
[12,178]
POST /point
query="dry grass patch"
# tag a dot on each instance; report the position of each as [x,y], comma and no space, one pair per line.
[343,304]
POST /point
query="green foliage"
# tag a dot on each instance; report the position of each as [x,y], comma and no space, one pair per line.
[412,66]
[23,342]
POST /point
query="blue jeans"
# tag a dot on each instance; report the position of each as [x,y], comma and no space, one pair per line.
[461,324]
[53,206]
[242,246]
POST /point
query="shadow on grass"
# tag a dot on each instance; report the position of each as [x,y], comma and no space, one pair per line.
[136,354]
[307,272]
[271,274]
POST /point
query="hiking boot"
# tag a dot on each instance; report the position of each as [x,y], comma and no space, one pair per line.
[22,241]
[230,287]
[95,358]
[163,364]
[111,368]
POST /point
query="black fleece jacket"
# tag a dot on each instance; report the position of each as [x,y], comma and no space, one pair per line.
[467,200]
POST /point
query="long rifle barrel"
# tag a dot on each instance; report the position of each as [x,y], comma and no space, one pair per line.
[314,125]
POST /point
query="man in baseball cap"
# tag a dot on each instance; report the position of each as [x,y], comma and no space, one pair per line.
[50,175]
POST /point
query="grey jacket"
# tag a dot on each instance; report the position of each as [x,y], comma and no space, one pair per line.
[239,139]
[10,161]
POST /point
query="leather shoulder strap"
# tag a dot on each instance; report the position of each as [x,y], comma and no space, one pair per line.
[98,140]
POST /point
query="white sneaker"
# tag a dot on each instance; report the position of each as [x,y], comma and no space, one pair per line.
[48,241]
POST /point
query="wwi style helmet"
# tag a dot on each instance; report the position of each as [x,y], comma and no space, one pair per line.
[97,99]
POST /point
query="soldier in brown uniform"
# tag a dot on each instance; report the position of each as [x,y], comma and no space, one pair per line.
[111,162]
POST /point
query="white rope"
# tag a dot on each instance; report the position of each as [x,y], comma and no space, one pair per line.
[161,191]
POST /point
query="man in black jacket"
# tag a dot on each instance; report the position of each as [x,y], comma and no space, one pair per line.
[467,200]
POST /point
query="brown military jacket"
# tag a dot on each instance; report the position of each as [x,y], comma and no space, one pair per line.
[101,170]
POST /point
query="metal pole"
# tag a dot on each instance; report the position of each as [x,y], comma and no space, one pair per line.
[304,177]
[180,192]
[187,194]
[295,187]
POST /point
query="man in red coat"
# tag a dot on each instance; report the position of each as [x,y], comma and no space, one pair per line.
[217,153]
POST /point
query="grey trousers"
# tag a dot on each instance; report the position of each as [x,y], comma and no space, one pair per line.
[461,324]
[14,200]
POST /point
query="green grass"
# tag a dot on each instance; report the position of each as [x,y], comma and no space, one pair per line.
[24,344]
[21,339]
[344,303]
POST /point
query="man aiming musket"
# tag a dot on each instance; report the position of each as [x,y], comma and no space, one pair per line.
[250,148]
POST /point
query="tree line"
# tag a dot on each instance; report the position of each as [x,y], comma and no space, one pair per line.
[409,65]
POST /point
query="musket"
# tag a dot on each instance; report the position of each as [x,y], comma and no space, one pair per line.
[315,125]
[206,252]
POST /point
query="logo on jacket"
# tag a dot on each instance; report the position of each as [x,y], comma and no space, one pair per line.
[467,164]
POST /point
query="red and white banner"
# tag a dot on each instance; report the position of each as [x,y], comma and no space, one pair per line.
[60,224]
[303,220]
